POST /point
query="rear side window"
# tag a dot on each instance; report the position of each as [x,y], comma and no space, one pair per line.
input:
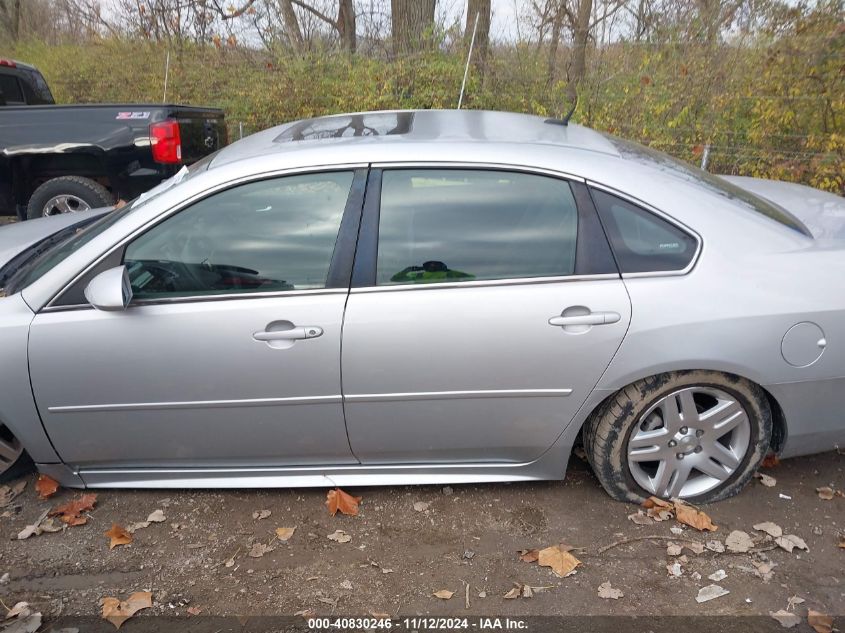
[642,242]
[40,91]
[11,89]
[443,226]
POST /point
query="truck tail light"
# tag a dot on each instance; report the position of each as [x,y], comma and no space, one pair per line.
[166,142]
[8,62]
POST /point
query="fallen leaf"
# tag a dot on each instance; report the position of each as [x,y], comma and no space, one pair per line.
[738,541]
[825,493]
[559,559]
[790,604]
[118,536]
[694,518]
[608,592]
[770,461]
[18,610]
[640,518]
[820,622]
[786,619]
[444,594]
[674,549]
[259,549]
[339,536]
[674,570]
[117,611]
[193,610]
[261,514]
[790,541]
[763,570]
[766,480]
[46,486]
[134,527]
[710,592]
[421,506]
[156,516]
[769,528]
[715,546]
[285,533]
[695,548]
[513,593]
[71,512]
[9,493]
[658,509]
[656,502]
[339,501]
[529,555]
[306,613]
[842,542]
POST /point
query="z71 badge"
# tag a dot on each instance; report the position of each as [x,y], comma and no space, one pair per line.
[132,115]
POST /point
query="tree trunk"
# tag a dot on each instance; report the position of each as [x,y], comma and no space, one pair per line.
[557,23]
[581,35]
[10,18]
[411,23]
[291,25]
[346,25]
[482,10]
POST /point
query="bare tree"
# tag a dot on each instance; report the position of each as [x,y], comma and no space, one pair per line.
[10,18]
[480,10]
[411,24]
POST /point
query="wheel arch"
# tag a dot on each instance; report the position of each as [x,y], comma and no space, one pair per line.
[779,422]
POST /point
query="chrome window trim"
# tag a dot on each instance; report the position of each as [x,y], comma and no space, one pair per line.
[664,216]
[476,166]
[164,215]
[203,298]
[482,283]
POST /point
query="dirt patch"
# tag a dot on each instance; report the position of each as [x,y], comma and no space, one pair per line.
[398,556]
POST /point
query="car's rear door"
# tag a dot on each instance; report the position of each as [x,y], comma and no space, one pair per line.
[228,354]
[485,306]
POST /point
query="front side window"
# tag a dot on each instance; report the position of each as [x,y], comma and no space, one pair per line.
[641,241]
[266,236]
[452,225]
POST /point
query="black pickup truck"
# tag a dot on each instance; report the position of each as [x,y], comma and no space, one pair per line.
[60,158]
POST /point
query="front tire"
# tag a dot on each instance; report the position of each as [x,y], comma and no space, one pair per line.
[14,462]
[67,194]
[694,435]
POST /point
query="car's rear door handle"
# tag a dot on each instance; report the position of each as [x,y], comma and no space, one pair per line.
[593,318]
[293,334]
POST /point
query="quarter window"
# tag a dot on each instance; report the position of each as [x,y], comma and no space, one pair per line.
[440,226]
[266,236]
[11,89]
[641,241]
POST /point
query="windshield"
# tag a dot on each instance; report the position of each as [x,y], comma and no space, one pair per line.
[43,256]
[720,186]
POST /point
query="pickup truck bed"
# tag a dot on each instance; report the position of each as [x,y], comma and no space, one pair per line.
[83,156]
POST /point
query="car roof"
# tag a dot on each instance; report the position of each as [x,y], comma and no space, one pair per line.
[414,127]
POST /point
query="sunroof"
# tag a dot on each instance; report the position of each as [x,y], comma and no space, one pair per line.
[349,126]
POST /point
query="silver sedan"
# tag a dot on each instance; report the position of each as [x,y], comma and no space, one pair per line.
[426,297]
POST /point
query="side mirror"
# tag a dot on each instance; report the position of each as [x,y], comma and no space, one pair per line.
[110,290]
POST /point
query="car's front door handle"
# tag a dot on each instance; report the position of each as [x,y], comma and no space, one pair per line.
[593,318]
[293,334]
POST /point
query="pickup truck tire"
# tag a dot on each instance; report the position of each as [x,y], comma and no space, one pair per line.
[67,194]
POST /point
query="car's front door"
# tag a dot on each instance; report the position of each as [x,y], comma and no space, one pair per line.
[228,354]
[481,320]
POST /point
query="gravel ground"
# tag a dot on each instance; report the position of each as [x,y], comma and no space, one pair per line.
[399,555]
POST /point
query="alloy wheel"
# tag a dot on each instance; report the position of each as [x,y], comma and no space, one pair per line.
[689,442]
[10,449]
[65,203]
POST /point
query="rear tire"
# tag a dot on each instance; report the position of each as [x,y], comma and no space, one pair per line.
[67,194]
[638,431]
